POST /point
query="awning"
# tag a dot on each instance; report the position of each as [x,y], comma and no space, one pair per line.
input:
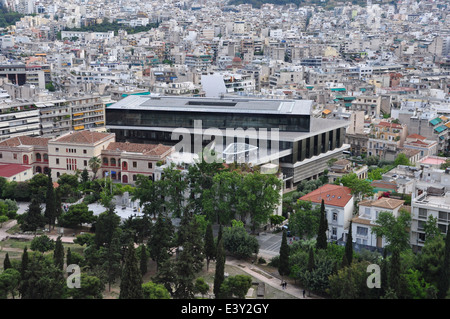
[435,121]
[326,111]
[79,127]
[338,89]
[78,114]
[440,129]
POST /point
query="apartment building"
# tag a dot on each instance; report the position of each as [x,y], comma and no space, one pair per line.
[88,112]
[19,118]
[385,139]
[371,105]
[55,117]
[431,201]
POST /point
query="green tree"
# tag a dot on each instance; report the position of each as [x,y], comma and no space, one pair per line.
[394,229]
[161,240]
[42,243]
[444,281]
[153,290]
[173,186]
[143,260]
[9,282]
[350,282]
[23,270]
[6,262]
[42,279]
[359,187]
[32,219]
[106,227]
[219,200]
[349,247]
[219,276]
[189,259]
[91,287]
[58,254]
[258,197]
[238,241]
[323,227]
[236,286]
[304,222]
[77,215]
[131,278]
[50,202]
[402,159]
[201,286]
[210,248]
[94,164]
[283,268]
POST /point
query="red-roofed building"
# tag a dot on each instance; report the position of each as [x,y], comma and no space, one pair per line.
[16,172]
[339,205]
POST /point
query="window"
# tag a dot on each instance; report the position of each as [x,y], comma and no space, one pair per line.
[84,151]
[422,213]
[150,164]
[134,164]
[15,156]
[85,163]
[335,217]
[134,178]
[362,231]
[1,155]
[57,149]
[57,161]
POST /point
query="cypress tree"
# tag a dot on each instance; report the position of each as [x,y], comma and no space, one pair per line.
[311,263]
[349,247]
[395,272]
[23,271]
[210,248]
[69,256]
[143,260]
[323,227]
[50,202]
[384,274]
[58,254]
[6,262]
[131,279]
[283,268]
[219,276]
[444,280]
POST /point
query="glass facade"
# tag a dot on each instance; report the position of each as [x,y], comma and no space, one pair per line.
[175,119]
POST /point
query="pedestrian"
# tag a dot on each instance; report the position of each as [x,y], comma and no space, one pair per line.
[304,293]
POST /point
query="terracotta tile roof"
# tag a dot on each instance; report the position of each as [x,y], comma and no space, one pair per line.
[25,140]
[9,170]
[334,195]
[388,124]
[358,220]
[82,137]
[417,136]
[383,202]
[148,149]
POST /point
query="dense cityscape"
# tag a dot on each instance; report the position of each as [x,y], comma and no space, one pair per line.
[219,149]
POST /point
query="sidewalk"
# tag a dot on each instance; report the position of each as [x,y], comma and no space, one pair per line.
[263,276]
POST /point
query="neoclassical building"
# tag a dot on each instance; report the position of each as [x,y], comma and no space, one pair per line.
[71,152]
